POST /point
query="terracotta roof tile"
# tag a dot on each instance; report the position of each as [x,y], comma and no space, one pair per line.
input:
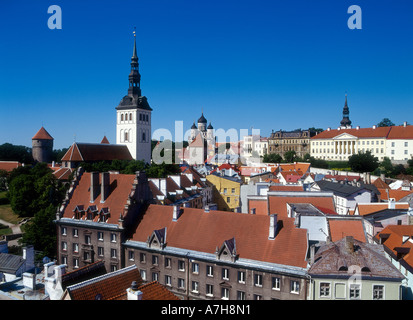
[341,228]
[379,132]
[96,152]
[401,132]
[42,134]
[203,231]
[9,165]
[120,189]
[363,209]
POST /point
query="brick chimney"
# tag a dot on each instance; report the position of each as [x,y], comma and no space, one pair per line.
[105,186]
[94,186]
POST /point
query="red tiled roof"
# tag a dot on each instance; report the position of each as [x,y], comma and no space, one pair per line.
[401,132]
[42,134]
[286,188]
[96,152]
[394,239]
[105,140]
[379,132]
[395,194]
[340,228]
[278,204]
[261,206]
[120,188]
[368,208]
[155,291]
[9,165]
[203,231]
[105,287]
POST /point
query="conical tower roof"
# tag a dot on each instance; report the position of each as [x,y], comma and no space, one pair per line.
[42,134]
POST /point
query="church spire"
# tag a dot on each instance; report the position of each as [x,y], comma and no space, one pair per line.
[134,76]
[345,123]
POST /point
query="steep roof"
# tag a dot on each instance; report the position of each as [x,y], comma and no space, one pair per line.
[42,134]
[151,291]
[341,228]
[120,189]
[106,286]
[337,259]
[395,237]
[96,152]
[203,231]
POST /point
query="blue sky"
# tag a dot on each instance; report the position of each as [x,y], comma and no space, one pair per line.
[265,64]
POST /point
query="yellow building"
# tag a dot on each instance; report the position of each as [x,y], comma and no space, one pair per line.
[226,191]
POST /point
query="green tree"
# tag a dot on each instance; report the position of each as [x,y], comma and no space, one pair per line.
[272,158]
[386,122]
[363,162]
[10,152]
[290,156]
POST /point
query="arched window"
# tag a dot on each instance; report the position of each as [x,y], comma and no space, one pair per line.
[130,116]
[143,137]
[126,136]
[121,117]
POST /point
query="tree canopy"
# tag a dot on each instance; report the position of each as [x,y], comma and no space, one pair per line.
[386,122]
[363,162]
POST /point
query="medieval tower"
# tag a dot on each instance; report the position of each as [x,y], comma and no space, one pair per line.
[42,146]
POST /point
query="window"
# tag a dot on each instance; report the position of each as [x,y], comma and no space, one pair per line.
[228,199]
[75,247]
[195,286]
[295,287]
[126,137]
[406,144]
[131,255]
[155,260]
[155,276]
[87,239]
[225,293]
[75,262]
[209,290]
[276,283]
[168,280]
[100,236]
[393,144]
[258,280]
[324,289]
[64,231]
[113,237]
[181,283]
[233,190]
[181,265]
[64,245]
[168,263]
[210,271]
[392,152]
[241,276]
[225,274]
[195,267]
[142,257]
[257,297]
[225,190]
[354,291]
[143,137]
[378,292]
[113,253]
[75,232]
[100,251]
[143,274]
[241,295]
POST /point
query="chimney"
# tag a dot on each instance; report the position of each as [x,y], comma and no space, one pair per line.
[28,255]
[374,127]
[206,209]
[392,203]
[176,212]
[104,191]
[133,292]
[350,244]
[162,186]
[404,124]
[252,211]
[273,227]
[94,186]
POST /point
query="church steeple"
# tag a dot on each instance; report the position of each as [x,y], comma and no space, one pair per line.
[345,123]
[134,75]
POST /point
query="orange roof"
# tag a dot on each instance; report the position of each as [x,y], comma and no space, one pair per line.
[340,228]
[401,132]
[105,140]
[395,194]
[278,203]
[96,152]
[286,188]
[105,287]
[9,165]
[379,132]
[393,238]
[120,188]
[368,208]
[42,134]
[203,231]
[261,206]
[380,184]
